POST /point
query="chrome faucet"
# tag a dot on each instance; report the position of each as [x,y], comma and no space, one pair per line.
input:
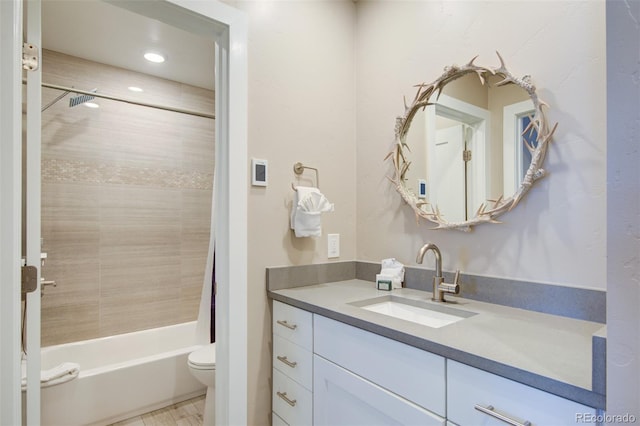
[439,286]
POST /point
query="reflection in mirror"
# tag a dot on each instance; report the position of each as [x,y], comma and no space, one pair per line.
[469,146]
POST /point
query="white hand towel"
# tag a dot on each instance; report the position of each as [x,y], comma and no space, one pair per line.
[298,194]
[62,373]
[315,202]
[308,204]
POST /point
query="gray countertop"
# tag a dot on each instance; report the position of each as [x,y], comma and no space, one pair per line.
[548,352]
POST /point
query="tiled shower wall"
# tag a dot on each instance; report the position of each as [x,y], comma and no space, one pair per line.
[126,202]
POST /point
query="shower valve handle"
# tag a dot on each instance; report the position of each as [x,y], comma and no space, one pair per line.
[45,283]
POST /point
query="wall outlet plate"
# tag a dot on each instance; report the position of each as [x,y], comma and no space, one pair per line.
[333,246]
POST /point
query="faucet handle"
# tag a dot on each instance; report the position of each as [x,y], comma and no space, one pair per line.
[451,288]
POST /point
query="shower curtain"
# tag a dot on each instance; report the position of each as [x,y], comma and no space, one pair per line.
[213,300]
[205,327]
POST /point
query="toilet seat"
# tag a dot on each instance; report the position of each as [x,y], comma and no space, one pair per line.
[204,358]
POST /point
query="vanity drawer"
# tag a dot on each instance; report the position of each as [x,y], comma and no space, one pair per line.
[277,421]
[293,360]
[290,401]
[414,374]
[293,324]
[468,387]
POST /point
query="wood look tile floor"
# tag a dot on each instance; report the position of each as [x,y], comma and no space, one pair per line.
[186,413]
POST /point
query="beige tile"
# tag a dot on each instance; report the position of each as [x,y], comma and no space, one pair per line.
[69,323]
[133,309]
[193,269]
[190,421]
[75,284]
[77,201]
[197,98]
[160,417]
[134,421]
[190,302]
[199,403]
[184,409]
[196,207]
[139,204]
[187,413]
[198,144]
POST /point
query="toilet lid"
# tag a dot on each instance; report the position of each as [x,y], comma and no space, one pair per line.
[204,357]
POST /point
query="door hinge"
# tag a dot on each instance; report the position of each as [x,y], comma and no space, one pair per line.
[466,155]
[30,57]
[29,279]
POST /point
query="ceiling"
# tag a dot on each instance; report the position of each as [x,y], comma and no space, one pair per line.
[102,32]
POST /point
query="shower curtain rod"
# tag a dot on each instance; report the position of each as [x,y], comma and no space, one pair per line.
[129,101]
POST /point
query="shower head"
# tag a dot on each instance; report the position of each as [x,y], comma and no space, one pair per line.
[80,99]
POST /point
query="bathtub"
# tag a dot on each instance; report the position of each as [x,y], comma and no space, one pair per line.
[121,376]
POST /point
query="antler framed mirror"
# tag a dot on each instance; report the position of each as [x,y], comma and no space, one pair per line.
[470,145]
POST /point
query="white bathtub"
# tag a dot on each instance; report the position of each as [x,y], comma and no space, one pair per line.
[121,376]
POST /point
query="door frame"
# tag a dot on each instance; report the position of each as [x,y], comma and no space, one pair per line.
[10,208]
[229,28]
[512,145]
[480,120]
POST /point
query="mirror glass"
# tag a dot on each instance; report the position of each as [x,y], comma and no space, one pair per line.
[466,144]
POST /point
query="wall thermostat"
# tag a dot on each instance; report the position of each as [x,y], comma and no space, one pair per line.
[422,188]
[258,172]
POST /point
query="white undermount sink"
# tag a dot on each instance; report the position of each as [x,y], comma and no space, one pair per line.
[420,312]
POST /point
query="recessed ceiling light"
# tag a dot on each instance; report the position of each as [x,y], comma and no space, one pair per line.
[154,57]
[135,89]
[91,105]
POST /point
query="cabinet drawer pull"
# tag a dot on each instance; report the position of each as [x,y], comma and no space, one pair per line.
[283,395]
[286,324]
[489,410]
[284,360]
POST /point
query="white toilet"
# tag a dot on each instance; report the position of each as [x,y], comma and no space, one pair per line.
[202,365]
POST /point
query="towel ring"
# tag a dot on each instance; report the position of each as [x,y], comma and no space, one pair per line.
[298,168]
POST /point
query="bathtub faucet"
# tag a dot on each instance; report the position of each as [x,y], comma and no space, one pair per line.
[439,286]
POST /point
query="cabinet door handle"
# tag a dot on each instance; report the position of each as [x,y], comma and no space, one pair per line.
[284,360]
[286,324]
[283,395]
[489,410]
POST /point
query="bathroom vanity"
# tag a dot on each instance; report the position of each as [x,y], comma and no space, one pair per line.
[340,358]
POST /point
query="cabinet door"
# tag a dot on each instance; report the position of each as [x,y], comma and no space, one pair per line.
[341,398]
[412,373]
[468,387]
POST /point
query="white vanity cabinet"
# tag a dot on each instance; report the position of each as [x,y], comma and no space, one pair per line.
[292,401]
[328,373]
[476,397]
[363,378]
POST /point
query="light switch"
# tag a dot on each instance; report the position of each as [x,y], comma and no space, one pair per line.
[333,245]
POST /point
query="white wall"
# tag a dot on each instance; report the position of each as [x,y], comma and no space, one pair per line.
[305,59]
[301,108]
[623,199]
[557,234]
